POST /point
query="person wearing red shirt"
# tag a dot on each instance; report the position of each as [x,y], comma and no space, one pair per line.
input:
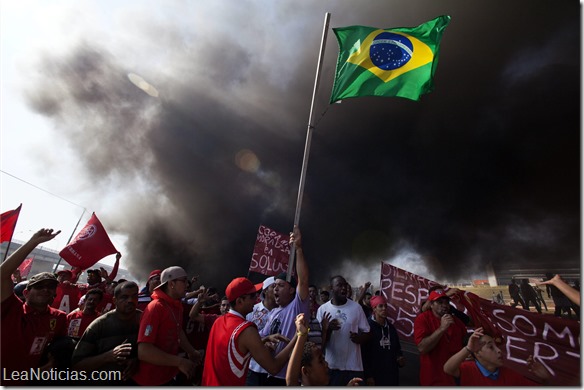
[233,340]
[79,320]
[486,369]
[438,335]
[107,302]
[161,335]
[68,294]
[27,329]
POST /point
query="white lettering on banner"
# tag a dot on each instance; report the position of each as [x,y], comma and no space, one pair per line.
[510,346]
[399,294]
[542,358]
[519,317]
[566,332]
[272,238]
[405,320]
[267,264]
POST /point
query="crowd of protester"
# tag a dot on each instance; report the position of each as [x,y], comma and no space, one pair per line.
[284,331]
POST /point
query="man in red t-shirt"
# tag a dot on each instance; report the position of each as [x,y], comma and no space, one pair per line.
[233,341]
[486,369]
[27,329]
[79,320]
[161,335]
[438,335]
[68,294]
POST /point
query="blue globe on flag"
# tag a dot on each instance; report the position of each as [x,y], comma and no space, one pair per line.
[390,51]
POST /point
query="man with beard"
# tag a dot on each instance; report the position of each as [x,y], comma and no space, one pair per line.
[110,342]
[27,328]
[347,329]
[438,335]
[292,300]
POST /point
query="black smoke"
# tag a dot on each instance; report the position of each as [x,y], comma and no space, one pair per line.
[485,167]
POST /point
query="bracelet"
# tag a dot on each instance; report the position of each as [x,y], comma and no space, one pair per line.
[468,349]
[300,334]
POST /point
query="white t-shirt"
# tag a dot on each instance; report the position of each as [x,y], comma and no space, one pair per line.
[341,353]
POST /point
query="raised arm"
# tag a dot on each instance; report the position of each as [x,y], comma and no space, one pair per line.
[13,262]
[295,363]
[452,365]
[301,265]
[363,292]
[195,314]
[570,292]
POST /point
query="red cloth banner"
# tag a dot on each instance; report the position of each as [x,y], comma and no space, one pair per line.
[8,224]
[89,246]
[553,341]
[271,252]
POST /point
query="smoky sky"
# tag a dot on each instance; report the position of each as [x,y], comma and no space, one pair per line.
[486,168]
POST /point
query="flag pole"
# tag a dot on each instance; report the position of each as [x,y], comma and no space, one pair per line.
[69,240]
[327,18]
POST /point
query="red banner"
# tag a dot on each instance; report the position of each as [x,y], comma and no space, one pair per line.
[89,246]
[271,252]
[24,269]
[551,340]
[8,224]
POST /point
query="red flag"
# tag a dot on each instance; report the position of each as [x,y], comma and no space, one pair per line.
[271,252]
[24,268]
[8,223]
[89,246]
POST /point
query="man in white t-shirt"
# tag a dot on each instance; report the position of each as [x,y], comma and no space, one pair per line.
[347,329]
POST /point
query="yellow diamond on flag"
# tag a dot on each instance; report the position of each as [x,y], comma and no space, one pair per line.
[407,58]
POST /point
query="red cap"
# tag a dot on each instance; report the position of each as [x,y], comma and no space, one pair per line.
[376,300]
[154,273]
[241,286]
[437,294]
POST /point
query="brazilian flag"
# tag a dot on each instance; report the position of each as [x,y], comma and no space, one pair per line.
[387,62]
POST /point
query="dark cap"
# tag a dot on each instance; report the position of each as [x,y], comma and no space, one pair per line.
[283,276]
[38,278]
[65,271]
[94,271]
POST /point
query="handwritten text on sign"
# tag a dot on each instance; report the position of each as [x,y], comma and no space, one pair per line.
[271,252]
